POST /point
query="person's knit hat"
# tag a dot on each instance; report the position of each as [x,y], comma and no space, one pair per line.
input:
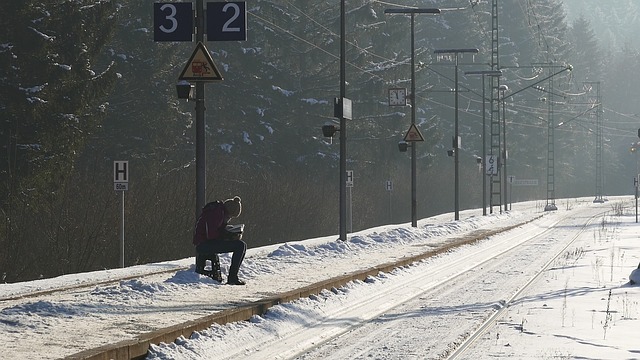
[233,207]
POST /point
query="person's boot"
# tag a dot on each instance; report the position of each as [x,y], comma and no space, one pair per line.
[233,280]
[200,263]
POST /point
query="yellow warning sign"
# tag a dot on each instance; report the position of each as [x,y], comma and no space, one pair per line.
[413,134]
[200,66]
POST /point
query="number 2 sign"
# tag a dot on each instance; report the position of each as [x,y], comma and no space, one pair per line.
[226,21]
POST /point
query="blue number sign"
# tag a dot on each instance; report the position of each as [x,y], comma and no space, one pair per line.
[172,21]
[227,21]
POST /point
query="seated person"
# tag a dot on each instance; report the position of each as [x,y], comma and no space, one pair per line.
[211,236]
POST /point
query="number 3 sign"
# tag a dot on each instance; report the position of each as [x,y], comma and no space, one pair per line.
[172,21]
[226,21]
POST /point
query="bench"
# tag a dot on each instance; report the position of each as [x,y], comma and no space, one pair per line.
[209,265]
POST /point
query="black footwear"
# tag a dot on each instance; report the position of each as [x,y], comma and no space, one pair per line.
[235,282]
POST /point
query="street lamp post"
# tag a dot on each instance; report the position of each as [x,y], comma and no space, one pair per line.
[413,12]
[201,160]
[456,138]
[503,89]
[484,73]
[343,125]
[342,110]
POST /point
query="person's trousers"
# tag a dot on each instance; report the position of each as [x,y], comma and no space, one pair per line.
[237,247]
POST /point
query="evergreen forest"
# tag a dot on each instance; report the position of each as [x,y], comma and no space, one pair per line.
[84,84]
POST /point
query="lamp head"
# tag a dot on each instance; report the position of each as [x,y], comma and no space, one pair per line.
[185,90]
[328,130]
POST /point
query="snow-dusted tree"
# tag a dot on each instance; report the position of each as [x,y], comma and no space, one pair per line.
[52,100]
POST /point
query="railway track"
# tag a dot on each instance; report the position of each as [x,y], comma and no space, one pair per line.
[454,276]
[493,319]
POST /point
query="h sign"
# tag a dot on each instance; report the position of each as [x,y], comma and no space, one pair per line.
[349,178]
[120,171]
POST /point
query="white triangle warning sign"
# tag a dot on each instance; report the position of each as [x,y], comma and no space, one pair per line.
[413,134]
[200,66]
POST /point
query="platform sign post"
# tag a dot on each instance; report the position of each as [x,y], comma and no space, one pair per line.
[636,180]
[222,21]
[389,187]
[349,185]
[121,183]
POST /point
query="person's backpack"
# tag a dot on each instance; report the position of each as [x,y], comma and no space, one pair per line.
[200,225]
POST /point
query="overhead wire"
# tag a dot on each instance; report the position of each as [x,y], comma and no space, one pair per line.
[288,32]
[429,100]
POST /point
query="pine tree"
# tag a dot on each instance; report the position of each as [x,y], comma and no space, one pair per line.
[52,96]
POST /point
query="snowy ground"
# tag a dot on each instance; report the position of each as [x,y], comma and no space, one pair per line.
[567,314]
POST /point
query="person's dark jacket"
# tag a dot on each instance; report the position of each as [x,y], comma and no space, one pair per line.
[211,223]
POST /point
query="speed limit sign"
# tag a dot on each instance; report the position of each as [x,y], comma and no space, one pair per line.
[172,21]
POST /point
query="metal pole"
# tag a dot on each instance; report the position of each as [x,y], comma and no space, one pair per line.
[484,152]
[122,233]
[350,209]
[456,154]
[510,194]
[414,216]
[343,127]
[484,73]
[413,12]
[390,212]
[456,143]
[201,172]
[504,146]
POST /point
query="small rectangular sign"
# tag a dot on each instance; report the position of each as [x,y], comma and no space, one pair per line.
[120,186]
[349,178]
[173,21]
[492,165]
[525,182]
[227,21]
[120,171]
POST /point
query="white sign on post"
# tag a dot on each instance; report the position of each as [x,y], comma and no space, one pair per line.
[349,178]
[389,185]
[121,175]
[121,183]
[525,182]
[492,165]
